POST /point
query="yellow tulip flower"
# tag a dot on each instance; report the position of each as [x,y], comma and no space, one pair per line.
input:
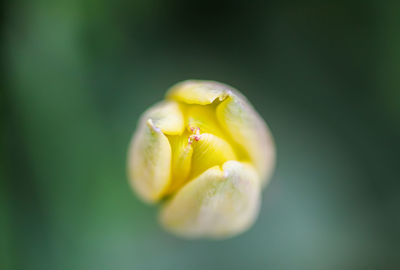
[204,154]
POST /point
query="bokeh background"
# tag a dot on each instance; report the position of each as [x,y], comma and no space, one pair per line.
[78,74]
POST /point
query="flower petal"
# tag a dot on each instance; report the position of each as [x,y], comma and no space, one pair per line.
[219,203]
[204,118]
[149,162]
[249,131]
[197,92]
[166,116]
[182,152]
[208,151]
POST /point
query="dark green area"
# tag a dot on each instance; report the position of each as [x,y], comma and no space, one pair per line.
[78,74]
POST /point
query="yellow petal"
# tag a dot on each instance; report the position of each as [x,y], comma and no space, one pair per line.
[182,152]
[204,118]
[149,162]
[248,130]
[166,116]
[208,151]
[198,92]
[219,203]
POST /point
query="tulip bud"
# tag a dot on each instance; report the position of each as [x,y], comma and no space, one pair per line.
[204,153]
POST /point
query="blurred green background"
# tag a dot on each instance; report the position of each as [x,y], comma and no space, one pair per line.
[78,74]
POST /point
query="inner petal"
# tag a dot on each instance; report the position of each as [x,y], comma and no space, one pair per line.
[182,152]
[203,118]
[208,151]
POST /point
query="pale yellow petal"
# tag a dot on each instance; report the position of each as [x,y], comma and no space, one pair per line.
[182,152]
[208,151]
[149,162]
[166,116]
[217,204]
[198,92]
[248,130]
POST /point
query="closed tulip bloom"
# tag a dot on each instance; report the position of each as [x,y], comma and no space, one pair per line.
[204,154]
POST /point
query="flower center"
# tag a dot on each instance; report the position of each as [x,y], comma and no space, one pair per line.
[195,135]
